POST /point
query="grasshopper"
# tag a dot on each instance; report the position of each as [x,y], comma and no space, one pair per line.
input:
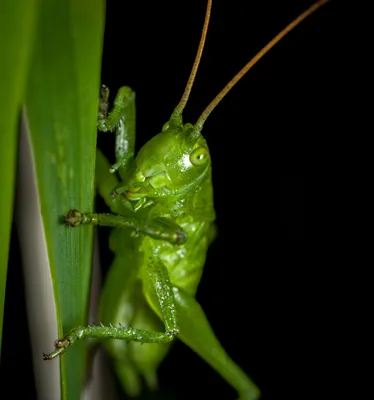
[162,212]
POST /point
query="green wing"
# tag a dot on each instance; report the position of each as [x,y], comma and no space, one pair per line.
[196,332]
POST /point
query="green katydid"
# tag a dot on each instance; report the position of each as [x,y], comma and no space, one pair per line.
[163,214]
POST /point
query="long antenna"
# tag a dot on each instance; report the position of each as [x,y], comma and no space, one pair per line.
[200,122]
[183,101]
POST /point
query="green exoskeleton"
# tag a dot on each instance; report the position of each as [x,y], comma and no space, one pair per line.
[163,218]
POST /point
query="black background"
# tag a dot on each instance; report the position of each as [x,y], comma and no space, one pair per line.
[265,138]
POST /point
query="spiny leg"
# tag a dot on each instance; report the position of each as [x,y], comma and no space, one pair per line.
[157,228]
[121,120]
[163,292]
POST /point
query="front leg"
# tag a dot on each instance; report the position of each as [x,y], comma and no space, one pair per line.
[163,291]
[121,120]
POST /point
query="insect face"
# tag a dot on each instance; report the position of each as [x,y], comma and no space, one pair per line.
[173,162]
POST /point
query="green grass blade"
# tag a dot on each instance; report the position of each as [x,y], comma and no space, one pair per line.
[62,101]
[17,23]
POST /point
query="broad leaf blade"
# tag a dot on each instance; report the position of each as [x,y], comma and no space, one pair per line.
[17,23]
[62,103]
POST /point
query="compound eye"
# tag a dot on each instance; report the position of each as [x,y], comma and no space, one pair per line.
[199,156]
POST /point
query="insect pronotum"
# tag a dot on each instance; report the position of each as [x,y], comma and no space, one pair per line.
[163,216]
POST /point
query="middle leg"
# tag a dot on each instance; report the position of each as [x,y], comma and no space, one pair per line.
[157,228]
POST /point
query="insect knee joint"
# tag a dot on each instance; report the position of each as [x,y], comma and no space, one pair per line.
[171,334]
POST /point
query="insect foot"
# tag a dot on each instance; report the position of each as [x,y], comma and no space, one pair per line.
[61,345]
[76,218]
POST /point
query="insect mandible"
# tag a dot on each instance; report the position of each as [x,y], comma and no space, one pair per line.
[163,216]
